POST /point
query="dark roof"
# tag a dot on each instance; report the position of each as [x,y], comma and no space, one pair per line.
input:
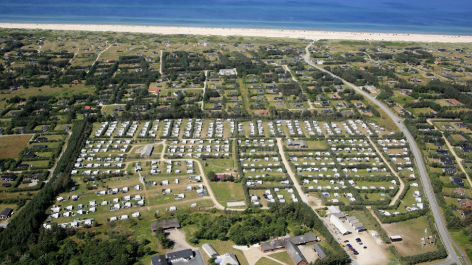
[181,254]
[35,176]
[29,155]
[39,146]
[280,243]
[303,239]
[159,260]
[320,251]
[10,177]
[295,253]
[165,224]
[6,212]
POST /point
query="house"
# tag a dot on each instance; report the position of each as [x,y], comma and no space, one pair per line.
[442,152]
[66,128]
[23,166]
[36,176]
[29,155]
[102,101]
[450,170]
[9,178]
[320,251]
[165,224]
[181,255]
[459,191]
[448,127]
[41,139]
[6,213]
[446,161]
[45,128]
[118,108]
[325,104]
[159,260]
[263,112]
[227,72]
[299,143]
[457,181]
[42,146]
[466,149]
[465,203]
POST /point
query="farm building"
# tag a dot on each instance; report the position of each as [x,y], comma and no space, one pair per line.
[295,254]
[211,252]
[166,224]
[396,238]
[299,143]
[159,260]
[339,225]
[320,251]
[147,150]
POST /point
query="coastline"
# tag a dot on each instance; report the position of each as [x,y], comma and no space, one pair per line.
[271,33]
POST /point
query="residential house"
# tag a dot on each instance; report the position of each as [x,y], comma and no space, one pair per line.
[6,213]
[9,178]
[459,191]
[465,203]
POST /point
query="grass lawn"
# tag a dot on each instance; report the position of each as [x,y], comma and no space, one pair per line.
[38,164]
[77,89]
[265,261]
[219,165]
[12,145]
[228,191]
[283,256]
[411,231]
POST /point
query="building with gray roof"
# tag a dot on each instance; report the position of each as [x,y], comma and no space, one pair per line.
[320,251]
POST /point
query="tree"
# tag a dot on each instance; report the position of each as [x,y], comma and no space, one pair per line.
[163,240]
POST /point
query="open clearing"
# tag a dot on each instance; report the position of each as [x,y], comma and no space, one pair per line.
[11,146]
[228,191]
[411,231]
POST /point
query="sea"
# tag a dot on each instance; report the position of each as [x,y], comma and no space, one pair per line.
[451,17]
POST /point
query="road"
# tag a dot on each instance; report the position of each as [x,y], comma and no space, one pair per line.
[299,189]
[436,210]
[402,185]
[458,159]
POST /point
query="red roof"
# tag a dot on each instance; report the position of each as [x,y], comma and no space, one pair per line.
[263,112]
[87,107]
[155,91]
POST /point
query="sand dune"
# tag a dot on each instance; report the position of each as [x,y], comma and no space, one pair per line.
[276,33]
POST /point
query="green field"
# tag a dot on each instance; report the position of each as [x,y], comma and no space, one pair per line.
[228,191]
[283,256]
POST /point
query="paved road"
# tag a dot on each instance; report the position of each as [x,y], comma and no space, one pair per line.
[440,223]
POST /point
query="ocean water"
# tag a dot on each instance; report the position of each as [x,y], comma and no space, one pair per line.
[403,16]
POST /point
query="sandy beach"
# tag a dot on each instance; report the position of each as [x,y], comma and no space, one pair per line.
[275,33]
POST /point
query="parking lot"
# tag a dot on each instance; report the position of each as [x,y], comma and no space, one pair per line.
[373,254]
